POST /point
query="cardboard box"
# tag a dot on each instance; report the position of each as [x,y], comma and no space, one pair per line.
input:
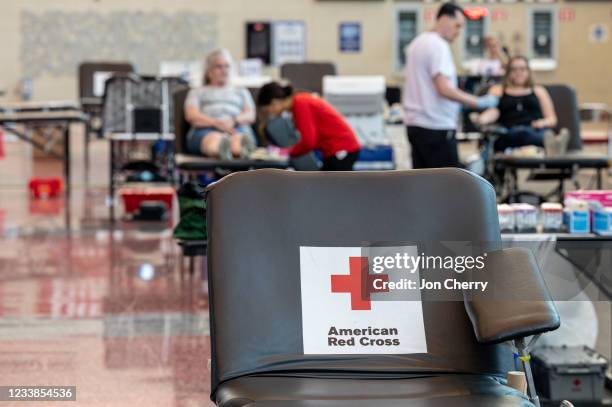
[577,221]
[604,196]
[602,220]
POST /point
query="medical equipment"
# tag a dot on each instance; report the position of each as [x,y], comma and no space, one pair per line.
[576,373]
[526,216]
[576,216]
[552,216]
[507,220]
[361,101]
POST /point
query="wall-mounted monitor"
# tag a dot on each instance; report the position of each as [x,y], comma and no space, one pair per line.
[259,41]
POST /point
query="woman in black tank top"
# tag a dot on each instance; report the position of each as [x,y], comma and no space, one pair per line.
[525,109]
[519,110]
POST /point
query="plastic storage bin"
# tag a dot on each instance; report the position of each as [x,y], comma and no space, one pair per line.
[574,373]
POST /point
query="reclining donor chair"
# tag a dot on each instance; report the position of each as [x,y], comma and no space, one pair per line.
[260,221]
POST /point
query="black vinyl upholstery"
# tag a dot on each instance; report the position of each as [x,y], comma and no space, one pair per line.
[440,391]
[258,220]
[307,76]
[517,303]
[181,126]
[88,69]
[568,115]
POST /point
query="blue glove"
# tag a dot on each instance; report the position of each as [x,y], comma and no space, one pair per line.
[487,101]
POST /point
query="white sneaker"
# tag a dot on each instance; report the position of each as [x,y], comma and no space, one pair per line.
[247,146]
[225,149]
[556,144]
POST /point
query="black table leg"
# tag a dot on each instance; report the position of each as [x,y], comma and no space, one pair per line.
[599,181]
[562,188]
[111,181]
[86,151]
[67,177]
[67,156]
[508,183]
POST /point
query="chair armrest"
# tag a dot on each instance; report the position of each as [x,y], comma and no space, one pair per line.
[517,302]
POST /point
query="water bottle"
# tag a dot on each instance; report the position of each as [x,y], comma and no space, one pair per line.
[27,89]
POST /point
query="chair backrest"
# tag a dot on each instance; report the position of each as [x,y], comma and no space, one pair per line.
[307,76]
[393,94]
[181,126]
[131,100]
[568,115]
[87,72]
[257,222]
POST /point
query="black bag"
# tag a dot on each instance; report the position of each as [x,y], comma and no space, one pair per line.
[151,210]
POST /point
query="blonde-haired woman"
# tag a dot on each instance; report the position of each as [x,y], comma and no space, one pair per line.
[220,114]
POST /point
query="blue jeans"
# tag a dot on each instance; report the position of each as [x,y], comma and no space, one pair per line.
[196,135]
[520,136]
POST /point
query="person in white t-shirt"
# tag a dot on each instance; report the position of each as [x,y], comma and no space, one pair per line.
[431,97]
[492,63]
[220,114]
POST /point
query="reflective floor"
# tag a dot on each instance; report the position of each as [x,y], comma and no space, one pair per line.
[104,308]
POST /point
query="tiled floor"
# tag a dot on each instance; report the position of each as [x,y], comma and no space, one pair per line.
[102,307]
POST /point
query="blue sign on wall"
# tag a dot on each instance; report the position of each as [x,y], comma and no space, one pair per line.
[350,37]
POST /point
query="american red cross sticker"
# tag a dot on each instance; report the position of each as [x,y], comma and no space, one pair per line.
[359,283]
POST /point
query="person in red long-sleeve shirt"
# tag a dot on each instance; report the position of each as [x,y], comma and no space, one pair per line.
[321,127]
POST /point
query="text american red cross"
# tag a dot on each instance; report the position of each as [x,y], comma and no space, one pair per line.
[359,283]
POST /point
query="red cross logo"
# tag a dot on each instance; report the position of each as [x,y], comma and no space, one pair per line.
[359,283]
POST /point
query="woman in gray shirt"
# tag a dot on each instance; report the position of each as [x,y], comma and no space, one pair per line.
[220,114]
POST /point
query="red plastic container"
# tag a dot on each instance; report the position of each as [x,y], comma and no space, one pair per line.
[132,196]
[46,187]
